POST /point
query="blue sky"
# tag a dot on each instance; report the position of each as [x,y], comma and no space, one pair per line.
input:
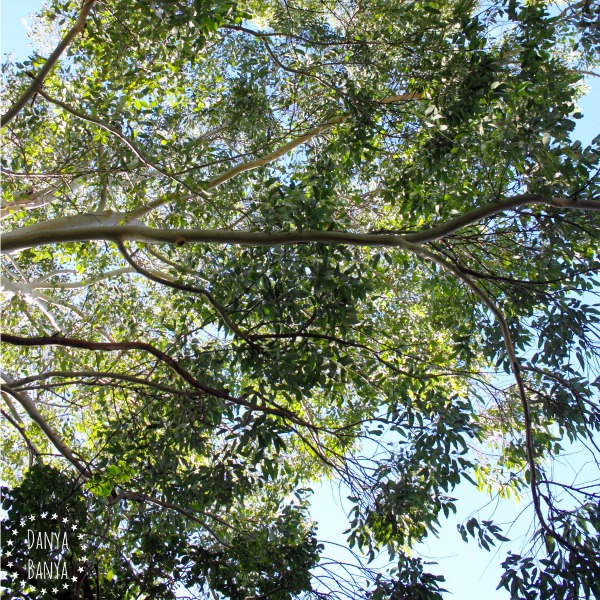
[471,574]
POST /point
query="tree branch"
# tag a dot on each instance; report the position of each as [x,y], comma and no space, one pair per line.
[188,288]
[131,145]
[99,375]
[28,404]
[276,60]
[516,370]
[72,285]
[265,160]
[33,451]
[35,86]
[168,505]
[493,208]
[160,355]
[119,227]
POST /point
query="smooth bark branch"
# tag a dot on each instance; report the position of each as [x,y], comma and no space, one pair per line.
[26,201]
[269,158]
[73,285]
[459,222]
[29,405]
[120,227]
[299,141]
[30,287]
[36,84]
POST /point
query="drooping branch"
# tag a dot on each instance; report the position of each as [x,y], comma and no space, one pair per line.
[117,346]
[8,564]
[36,84]
[516,371]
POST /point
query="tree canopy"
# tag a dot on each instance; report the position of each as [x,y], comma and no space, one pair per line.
[252,244]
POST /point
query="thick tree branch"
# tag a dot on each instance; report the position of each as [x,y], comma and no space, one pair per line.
[443,230]
[35,86]
[119,227]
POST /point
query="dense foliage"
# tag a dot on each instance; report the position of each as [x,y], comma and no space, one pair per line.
[252,244]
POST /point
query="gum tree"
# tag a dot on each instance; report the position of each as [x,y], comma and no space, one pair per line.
[251,245]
